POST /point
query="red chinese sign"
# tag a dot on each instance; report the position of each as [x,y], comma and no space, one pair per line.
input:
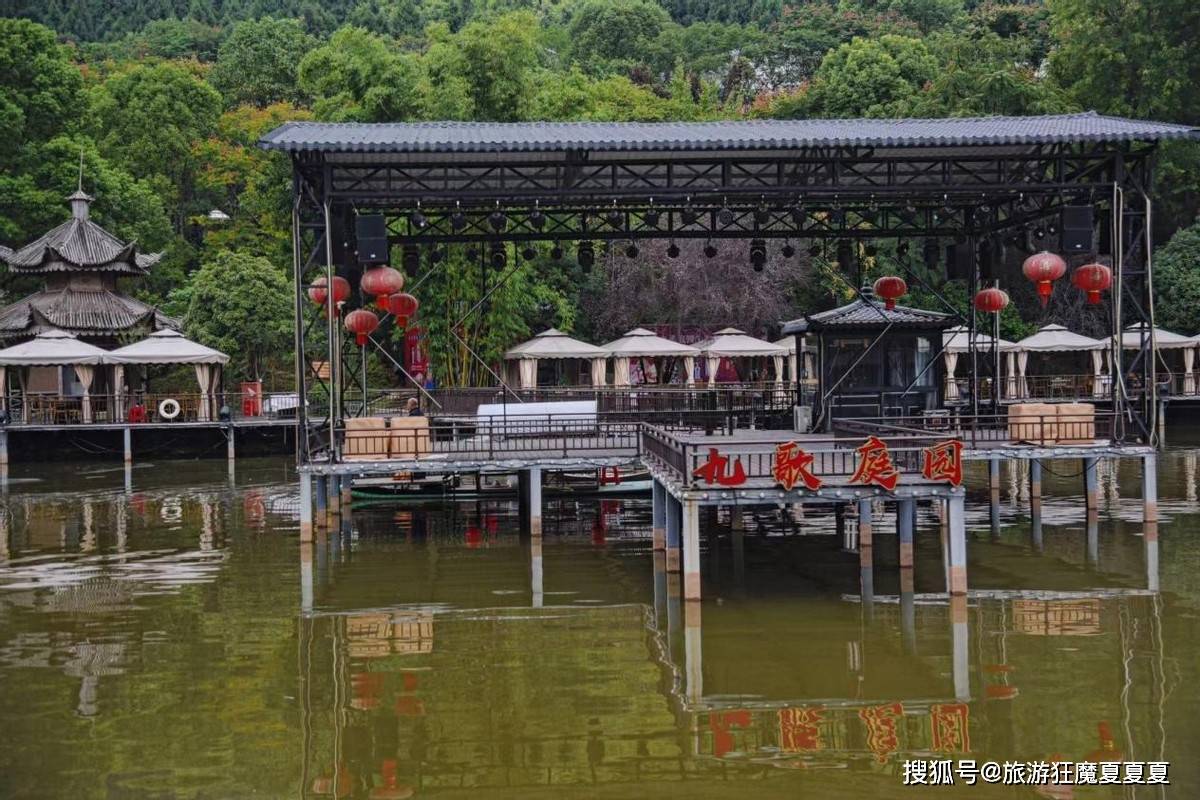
[949,732]
[721,722]
[875,465]
[798,729]
[881,728]
[943,462]
[716,469]
[793,466]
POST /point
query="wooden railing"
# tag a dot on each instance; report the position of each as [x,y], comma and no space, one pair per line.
[147,407]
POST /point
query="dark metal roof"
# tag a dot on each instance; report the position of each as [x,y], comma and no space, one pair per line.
[86,313]
[866,312]
[506,137]
[80,245]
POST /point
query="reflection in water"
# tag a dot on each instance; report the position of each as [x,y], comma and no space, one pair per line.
[181,642]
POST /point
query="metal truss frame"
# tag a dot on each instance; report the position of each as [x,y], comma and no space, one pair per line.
[969,194]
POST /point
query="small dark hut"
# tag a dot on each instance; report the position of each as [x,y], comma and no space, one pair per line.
[872,360]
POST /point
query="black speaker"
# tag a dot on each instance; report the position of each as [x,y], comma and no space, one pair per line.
[959,261]
[1078,229]
[370,234]
[987,260]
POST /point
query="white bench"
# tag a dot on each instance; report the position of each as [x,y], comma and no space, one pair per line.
[533,419]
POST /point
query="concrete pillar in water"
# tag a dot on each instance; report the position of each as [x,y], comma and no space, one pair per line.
[994,496]
[943,512]
[1091,485]
[3,448]
[306,506]
[660,589]
[693,651]
[321,496]
[905,508]
[1035,503]
[535,500]
[908,611]
[230,444]
[1150,518]
[335,495]
[536,579]
[674,533]
[1093,540]
[866,554]
[127,437]
[994,475]
[347,490]
[658,503]
[738,541]
[306,575]
[958,544]
[691,550]
[960,643]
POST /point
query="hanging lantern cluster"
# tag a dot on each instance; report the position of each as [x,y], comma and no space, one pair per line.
[1093,279]
[320,295]
[381,283]
[991,300]
[891,288]
[1044,269]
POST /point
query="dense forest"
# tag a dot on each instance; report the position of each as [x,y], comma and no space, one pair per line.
[165,99]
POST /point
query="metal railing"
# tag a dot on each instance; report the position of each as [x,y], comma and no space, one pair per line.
[36,408]
[979,431]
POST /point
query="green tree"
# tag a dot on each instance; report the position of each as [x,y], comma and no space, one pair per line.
[871,78]
[257,62]
[928,14]
[148,119]
[1177,282]
[241,305]
[40,90]
[358,76]
[614,34]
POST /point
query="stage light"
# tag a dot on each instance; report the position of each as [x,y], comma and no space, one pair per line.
[632,250]
[528,253]
[762,216]
[435,255]
[651,218]
[672,250]
[498,220]
[710,250]
[458,220]
[615,218]
[472,254]
[725,216]
[498,256]
[417,219]
[788,250]
[870,251]
[797,213]
[902,248]
[537,219]
[837,215]
[814,250]
[556,252]
[758,254]
[689,216]
[586,255]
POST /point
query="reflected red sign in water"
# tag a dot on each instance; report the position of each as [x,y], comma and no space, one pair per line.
[799,729]
[881,728]
[949,733]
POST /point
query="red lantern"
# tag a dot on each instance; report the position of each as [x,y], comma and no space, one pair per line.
[991,300]
[341,292]
[1044,269]
[361,323]
[1093,279]
[890,288]
[402,306]
[380,282]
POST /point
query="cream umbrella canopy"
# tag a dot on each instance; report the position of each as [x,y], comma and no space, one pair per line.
[554,344]
[732,343]
[172,347]
[957,341]
[1131,339]
[1057,339]
[55,348]
[641,343]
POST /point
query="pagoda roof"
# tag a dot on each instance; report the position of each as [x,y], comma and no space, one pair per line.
[867,312]
[85,312]
[79,245]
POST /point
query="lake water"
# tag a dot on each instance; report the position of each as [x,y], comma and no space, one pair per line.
[165,635]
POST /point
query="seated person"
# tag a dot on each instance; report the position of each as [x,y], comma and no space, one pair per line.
[414,408]
[137,412]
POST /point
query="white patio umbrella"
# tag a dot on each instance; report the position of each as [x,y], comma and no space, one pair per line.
[172,347]
[1057,339]
[732,343]
[1131,339]
[957,341]
[554,344]
[641,343]
[49,349]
